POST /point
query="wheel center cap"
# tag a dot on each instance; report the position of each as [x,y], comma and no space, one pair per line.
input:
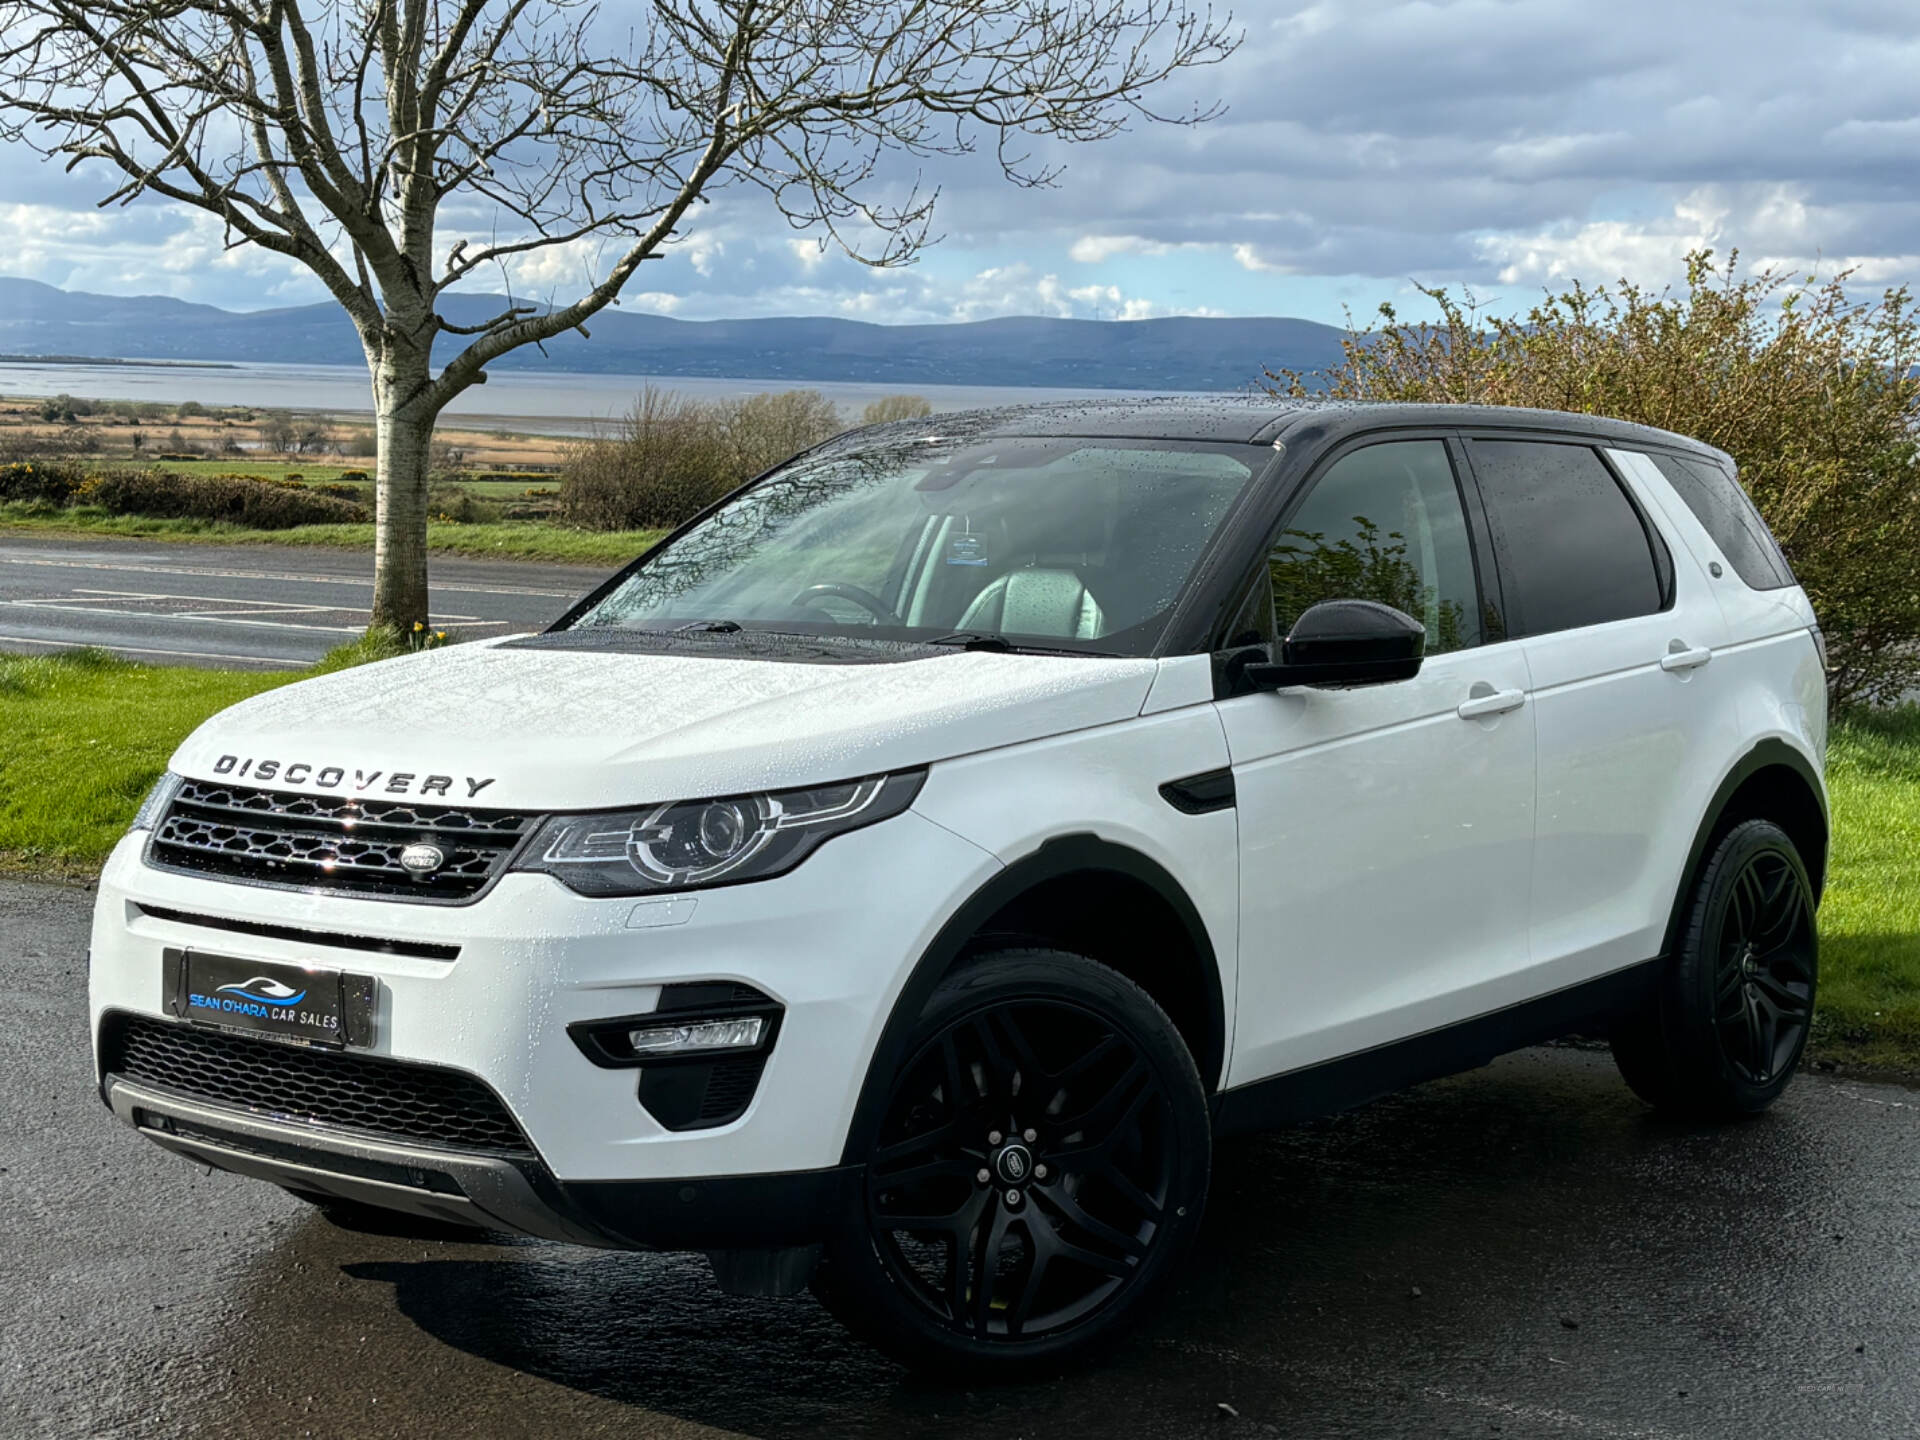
[1014,1165]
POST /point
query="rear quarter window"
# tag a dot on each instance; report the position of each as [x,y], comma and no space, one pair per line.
[1573,549]
[1721,506]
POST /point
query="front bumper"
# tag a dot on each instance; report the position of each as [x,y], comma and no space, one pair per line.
[832,943]
[490,1191]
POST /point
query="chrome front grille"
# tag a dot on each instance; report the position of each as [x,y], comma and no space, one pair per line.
[327,842]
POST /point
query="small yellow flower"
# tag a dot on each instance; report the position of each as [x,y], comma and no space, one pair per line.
[419,625]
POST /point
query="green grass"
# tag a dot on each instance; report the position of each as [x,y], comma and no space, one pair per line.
[329,471]
[84,734]
[502,540]
[315,473]
[82,737]
[1869,1003]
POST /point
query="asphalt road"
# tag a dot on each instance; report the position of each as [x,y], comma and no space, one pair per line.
[1519,1252]
[255,607]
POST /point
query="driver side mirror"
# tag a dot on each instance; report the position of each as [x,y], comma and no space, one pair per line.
[1342,643]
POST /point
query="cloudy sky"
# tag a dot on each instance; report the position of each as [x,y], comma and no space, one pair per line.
[1366,145]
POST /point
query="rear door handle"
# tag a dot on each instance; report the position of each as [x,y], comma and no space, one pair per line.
[1685,659]
[1497,703]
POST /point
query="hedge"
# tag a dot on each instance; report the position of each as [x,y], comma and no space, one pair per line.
[248,500]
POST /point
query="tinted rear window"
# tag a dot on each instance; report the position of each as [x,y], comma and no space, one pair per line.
[1573,550]
[1726,514]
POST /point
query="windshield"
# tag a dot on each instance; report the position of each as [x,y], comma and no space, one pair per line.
[1031,543]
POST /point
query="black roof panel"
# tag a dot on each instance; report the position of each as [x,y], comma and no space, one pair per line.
[1251,419]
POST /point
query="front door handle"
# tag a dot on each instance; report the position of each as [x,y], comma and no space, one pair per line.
[1497,702]
[1685,659]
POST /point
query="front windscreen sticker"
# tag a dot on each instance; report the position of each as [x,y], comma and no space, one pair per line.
[967,550]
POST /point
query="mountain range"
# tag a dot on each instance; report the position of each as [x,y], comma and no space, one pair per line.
[1177,353]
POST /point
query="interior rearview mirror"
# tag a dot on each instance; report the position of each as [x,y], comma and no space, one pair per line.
[1343,643]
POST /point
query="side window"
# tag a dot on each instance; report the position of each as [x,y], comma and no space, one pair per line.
[1725,513]
[1384,523]
[1573,549]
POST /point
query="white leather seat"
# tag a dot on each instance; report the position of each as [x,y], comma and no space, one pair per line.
[1036,602]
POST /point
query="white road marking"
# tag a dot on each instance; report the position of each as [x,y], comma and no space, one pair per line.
[96,602]
[150,615]
[365,583]
[149,650]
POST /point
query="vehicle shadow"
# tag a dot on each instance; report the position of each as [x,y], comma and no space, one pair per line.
[1406,1268]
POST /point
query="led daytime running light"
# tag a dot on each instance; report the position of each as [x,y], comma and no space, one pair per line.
[740,1033]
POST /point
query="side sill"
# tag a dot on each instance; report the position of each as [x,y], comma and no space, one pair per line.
[1336,1085]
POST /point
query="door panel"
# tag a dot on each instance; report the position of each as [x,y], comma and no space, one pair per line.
[1386,844]
[1631,712]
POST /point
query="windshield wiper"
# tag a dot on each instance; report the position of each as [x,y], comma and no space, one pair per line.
[708,627]
[976,640]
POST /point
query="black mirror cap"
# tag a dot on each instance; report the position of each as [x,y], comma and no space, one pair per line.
[1343,643]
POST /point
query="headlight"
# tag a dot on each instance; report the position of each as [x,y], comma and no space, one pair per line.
[693,843]
[151,808]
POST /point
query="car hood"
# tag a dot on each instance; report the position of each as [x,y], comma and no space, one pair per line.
[553,729]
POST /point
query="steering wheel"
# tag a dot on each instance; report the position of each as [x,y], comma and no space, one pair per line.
[865,599]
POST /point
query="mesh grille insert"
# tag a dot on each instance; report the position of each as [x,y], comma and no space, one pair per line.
[364,1093]
[333,842]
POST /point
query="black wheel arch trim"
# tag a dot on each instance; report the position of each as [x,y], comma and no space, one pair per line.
[1061,856]
[1767,754]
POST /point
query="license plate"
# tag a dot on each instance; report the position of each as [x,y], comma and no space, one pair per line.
[289,1002]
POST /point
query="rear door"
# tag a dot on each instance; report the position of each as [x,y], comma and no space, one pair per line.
[1386,831]
[1633,718]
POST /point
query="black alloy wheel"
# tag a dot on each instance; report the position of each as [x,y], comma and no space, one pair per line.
[1041,1155]
[1736,1006]
[1763,989]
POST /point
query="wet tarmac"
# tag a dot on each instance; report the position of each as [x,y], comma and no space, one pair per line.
[1522,1252]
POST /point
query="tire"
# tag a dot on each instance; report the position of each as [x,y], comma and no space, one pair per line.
[1731,1019]
[1083,1222]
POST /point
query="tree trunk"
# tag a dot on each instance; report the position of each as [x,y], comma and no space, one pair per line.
[405,435]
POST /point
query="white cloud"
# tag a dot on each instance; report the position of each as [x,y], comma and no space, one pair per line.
[656,300]
[1248,257]
[1777,226]
[810,253]
[1095,249]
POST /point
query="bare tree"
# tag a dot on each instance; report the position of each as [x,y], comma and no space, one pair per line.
[335,133]
[889,408]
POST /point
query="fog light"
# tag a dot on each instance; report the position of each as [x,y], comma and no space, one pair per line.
[742,1033]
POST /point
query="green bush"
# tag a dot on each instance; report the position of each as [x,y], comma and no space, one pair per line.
[1815,395]
[40,480]
[241,500]
[460,506]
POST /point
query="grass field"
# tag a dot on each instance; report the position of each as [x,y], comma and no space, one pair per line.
[83,735]
[330,471]
[82,738]
[1869,1003]
[507,539]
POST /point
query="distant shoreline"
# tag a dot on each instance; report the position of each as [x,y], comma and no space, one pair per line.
[112,360]
[564,403]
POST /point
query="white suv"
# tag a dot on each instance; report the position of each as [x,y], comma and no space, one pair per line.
[895,880]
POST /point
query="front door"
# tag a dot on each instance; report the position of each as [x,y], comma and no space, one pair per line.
[1386,832]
